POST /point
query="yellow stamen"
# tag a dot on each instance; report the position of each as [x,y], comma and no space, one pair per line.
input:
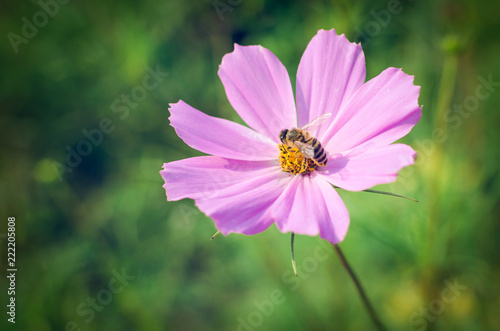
[294,162]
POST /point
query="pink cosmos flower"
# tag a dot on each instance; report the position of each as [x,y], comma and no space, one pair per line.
[245,185]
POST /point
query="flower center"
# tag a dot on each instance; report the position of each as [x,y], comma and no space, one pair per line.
[294,162]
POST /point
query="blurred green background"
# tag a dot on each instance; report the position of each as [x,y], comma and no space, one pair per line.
[99,248]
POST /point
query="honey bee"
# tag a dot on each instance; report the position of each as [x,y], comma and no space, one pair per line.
[309,146]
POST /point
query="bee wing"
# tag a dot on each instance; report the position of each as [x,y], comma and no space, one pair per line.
[305,149]
[317,121]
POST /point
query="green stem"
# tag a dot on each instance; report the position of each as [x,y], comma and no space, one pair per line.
[361,292]
[293,255]
[391,194]
[446,88]
[385,193]
[436,162]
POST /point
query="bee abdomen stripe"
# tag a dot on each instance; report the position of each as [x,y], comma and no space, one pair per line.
[318,151]
[322,159]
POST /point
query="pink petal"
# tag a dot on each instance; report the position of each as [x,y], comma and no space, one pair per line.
[258,87]
[311,206]
[329,73]
[235,194]
[243,208]
[218,136]
[382,111]
[372,166]
[206,176]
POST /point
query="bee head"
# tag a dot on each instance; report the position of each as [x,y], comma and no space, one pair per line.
[283,136]
[293,134]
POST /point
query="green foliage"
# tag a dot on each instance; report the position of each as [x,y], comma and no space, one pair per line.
[77,229]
